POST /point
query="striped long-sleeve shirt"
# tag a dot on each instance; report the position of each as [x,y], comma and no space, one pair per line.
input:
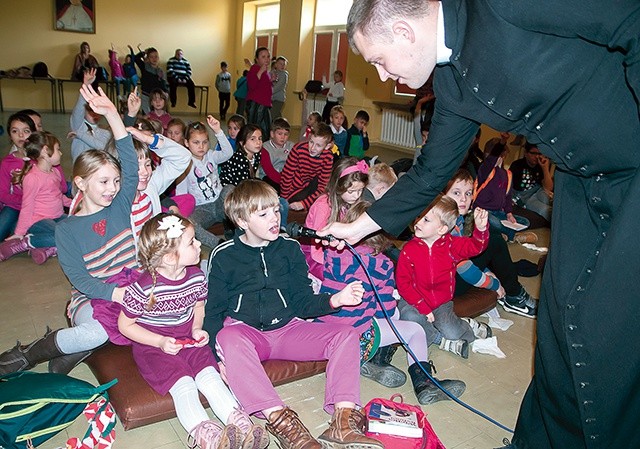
[301,169]
[92,248]
[342,268]
[179,69]
[468,271]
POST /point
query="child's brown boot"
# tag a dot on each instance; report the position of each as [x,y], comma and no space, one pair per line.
[347,430]
[286,426]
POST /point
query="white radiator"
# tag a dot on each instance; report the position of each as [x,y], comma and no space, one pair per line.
[397,128]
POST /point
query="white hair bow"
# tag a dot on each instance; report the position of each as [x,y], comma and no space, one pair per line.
[173,225]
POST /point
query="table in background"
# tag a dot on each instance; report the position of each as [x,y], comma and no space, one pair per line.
[52,81]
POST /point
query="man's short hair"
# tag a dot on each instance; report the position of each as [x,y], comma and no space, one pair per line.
[372,17]
[247,197]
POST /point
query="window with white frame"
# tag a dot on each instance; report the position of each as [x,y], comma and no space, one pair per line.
[331,46]
[267,24]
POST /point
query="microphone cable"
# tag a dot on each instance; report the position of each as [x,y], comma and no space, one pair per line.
[410,351]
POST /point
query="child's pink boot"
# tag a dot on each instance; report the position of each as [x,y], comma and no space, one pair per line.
[255,437]
[211,435]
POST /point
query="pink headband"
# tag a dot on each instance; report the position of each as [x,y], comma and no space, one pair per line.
[361,167]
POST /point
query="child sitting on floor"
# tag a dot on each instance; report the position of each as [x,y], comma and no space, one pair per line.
[341,268]
[162,314]
[307,170]
[425,275]
[258,301]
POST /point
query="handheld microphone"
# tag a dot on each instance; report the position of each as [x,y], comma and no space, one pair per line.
[296,230]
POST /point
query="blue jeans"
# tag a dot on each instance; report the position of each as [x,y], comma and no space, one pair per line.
[8,220]
[446,323]
[43,233]
[536,200]
[495,216]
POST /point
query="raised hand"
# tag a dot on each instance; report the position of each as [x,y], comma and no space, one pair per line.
[480,218]
[89,76]
[134,102]
[214,124]
[98,101]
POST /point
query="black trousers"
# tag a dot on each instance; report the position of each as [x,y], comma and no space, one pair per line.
[173,87]
[225,101]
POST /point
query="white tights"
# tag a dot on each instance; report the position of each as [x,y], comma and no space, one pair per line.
[187,403]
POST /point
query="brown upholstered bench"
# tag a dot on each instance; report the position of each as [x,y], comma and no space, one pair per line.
[138,405]
[474,302]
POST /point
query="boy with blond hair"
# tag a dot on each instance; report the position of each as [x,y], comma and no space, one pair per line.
[426,269]
[381,179]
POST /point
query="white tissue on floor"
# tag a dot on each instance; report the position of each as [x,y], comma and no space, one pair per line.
[496,322]
[488,346]
[531,246]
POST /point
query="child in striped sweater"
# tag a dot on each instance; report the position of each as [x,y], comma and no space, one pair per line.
[341,268]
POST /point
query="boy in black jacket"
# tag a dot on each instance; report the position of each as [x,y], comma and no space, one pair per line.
[258,286]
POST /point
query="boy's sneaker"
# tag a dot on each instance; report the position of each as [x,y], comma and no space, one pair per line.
[40,255]
[458,347]
[211,435]
[521,304]
[480,330]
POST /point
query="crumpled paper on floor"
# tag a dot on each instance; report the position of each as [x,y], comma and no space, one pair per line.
[488,346]
[496,322]
[533,247]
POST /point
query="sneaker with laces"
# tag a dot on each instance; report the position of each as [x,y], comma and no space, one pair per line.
[211,435]
[521,304]
[254,436]
[40,255]
[11,247]
[458,347]
[480,330]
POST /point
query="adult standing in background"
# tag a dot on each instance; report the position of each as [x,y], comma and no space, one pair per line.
[85,61]
[241,93]
[259,91]
[223,86]
[179,74]
[279,80]
[577,101]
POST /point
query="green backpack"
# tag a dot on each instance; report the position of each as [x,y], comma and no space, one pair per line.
[36,406]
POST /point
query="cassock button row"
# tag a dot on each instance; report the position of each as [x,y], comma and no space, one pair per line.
[456,57]
[572,327]
[593,437]
[554,140]
[490,102]
[527,115]
[509,112]
[577,345]
[579,288]
[587,402]
[476,88]
[464,72]
[568,155]
[588,270]
[595,199]
[583,169]
[539,126]
[571,306]
[599,177]
[580,364]
[604,216]
[590,420]
[584,384]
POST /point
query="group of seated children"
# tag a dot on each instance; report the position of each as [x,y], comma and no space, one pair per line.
[135,274]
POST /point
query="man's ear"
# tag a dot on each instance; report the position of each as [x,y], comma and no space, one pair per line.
[404,30]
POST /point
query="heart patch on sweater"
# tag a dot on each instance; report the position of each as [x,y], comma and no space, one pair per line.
[100,227]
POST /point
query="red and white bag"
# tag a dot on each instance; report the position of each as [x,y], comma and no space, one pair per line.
[429,439]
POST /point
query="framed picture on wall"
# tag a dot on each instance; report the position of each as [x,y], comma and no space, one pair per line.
[75,15]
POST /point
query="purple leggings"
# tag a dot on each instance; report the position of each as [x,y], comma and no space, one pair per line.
[242,348]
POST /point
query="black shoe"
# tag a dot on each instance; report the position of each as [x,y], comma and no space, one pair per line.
[379,369]
[426,391]
[192,105]
[522,304]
